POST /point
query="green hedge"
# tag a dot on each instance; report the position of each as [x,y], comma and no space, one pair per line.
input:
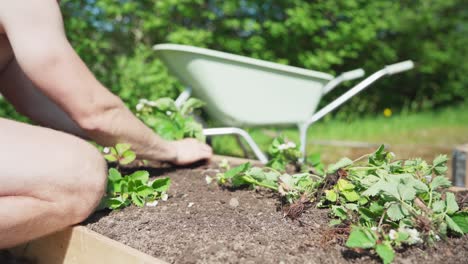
[115,39]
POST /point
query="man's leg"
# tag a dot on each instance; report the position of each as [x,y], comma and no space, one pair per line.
[48,180]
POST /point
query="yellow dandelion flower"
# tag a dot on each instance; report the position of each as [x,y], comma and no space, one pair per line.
[387,112]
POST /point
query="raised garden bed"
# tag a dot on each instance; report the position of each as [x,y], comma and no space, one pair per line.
[202,223]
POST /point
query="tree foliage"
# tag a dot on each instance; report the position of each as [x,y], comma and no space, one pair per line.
[115,39]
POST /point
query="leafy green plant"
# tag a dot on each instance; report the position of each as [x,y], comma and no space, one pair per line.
[135,188]
[393,203]
[387,203]
[169,121]
[282,153]
[292,187]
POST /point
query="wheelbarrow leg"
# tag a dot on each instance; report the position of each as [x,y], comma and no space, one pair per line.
[241,133]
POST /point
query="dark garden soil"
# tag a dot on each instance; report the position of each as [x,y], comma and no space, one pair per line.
[7,258]
[202,223]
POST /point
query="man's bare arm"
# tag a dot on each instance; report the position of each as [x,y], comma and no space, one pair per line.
[35,30]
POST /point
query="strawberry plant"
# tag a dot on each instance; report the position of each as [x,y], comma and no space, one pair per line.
[169,121]
[282,153]
[292,187]
[135,188]
[387,203]
[391,203]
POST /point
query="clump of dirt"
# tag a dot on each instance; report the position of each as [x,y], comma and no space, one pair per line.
[203,223]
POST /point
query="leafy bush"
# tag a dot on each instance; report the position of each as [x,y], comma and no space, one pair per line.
[115,39]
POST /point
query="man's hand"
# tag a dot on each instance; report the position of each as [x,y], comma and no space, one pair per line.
[190,150]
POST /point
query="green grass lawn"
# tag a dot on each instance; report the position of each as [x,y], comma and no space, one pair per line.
[423,134]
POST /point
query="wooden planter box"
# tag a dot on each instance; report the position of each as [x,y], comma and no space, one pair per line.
[80,245]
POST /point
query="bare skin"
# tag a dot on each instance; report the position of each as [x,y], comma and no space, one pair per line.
[51,179]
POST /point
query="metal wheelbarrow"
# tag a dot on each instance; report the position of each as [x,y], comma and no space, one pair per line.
[244,92]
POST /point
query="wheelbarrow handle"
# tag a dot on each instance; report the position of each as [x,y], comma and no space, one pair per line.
[351,75]
[399,67]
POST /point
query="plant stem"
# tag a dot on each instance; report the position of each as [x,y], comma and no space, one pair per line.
[364,168]
[381,219]
[360,158]
[430,198]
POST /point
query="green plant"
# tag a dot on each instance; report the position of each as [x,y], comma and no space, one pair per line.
[170,121]
[393,203]
[291,187]
[134,188]
[283,152]
[387,203]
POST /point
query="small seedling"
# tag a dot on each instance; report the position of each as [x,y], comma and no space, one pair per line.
[169,121]
[135,188]
[283,153]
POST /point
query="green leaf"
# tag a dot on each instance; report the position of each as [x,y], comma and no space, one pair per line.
[121,148]
[367,214]
[351,206]
[391,189]
[331,195]
[190,105]
[351,196]
[363,200]
[334,222]
[115,203]
[236,170]
[344,162]
[461,219]
[115,186]
[144,191]
[369,180]
[161,185]
[361,238]
[396,212]
[340,212]
[440,160]
[439,181]
[438,206]
[451,202]
[165,104]
[239,180]
[137,200]
[142,176]
[375,188]
[114,175]
[378,157]
[407,192]
[344,185]
[385,252]
[110,157]
[376,208]
[452,225]
[127,157]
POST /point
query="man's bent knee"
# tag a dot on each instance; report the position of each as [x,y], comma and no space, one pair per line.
[90,185]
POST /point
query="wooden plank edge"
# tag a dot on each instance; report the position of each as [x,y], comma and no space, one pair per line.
[80,245]
[456,189]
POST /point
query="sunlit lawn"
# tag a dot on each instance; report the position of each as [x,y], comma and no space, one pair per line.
[423,134]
